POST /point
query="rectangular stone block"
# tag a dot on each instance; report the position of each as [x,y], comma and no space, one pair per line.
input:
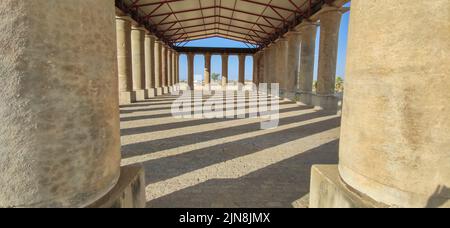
[126,98]
[328,191]
[140,95]
[151,93]
[159,91]
[305,98]
[327,102]
[129,192]
[165,90]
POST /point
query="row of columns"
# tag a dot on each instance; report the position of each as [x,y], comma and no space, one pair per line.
[207,72]
[146,66]
[289,61]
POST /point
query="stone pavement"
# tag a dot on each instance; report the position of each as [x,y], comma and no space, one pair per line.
[227,162]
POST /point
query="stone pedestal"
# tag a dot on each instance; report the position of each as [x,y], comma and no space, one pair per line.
[165,90]
[325,102]
[151,93]
[126,98]
[305,97]
[329,191]
[129,192]
[159,91]
[141,95]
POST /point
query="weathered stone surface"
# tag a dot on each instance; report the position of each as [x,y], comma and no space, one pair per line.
[158,64]
[225,70]
[328,191]
[123,35]
[396,117]
[207,74]
[191,70]
[129,192]
[308,32]
[126,98]
[138,57]
[149,62]
[59,115]
[241,73]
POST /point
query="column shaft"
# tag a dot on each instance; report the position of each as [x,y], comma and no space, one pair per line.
[330,20]
[150,64]
[225,70]
[138,61]
[207,74]
[59,109]
[281,64]
[255,68]
[164,65]
[308,33]
[295,41]
[396,119]
[123,35]
[191,70]
[242,69]
[169,67]
[158,65]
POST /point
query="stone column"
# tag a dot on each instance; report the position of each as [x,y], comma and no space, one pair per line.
[255,68]
[395,137]
[169,69]
[272,63]
[266,65]
[281,65]
[59,109]
[191,70]
[164,68]
[158,68]
[123,36]
[294,43]
[138,61]
[150,65]
[177,64]
[308,31]
[261,68]
[207,74]
[242,69]
[174,68]
[330,21]
[225,58]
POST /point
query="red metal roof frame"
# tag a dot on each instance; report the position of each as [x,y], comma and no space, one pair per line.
[172,26]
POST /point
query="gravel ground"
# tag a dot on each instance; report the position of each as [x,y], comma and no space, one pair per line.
[221,163]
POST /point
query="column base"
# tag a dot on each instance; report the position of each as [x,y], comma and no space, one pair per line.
[325,102]
[305,98]
[126,98]
[329,191]
[165,90]
[129,192]
[151,93]
[140,95]
[159,91]
[291,96]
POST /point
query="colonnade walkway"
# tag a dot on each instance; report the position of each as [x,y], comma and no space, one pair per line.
[227,162]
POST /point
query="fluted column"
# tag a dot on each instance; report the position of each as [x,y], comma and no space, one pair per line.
[59,105]
[164,68]
[123,36]
[242,69]
[207,74]
[225,58]
[294,43]
[308,31]
[158,67]
[191,70]
[150,65]
[330,20]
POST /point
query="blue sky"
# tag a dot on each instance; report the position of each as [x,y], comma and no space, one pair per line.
[216,62]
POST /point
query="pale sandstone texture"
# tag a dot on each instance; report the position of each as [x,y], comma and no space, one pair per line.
[59,115]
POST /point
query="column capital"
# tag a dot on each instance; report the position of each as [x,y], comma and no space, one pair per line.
[326,9]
